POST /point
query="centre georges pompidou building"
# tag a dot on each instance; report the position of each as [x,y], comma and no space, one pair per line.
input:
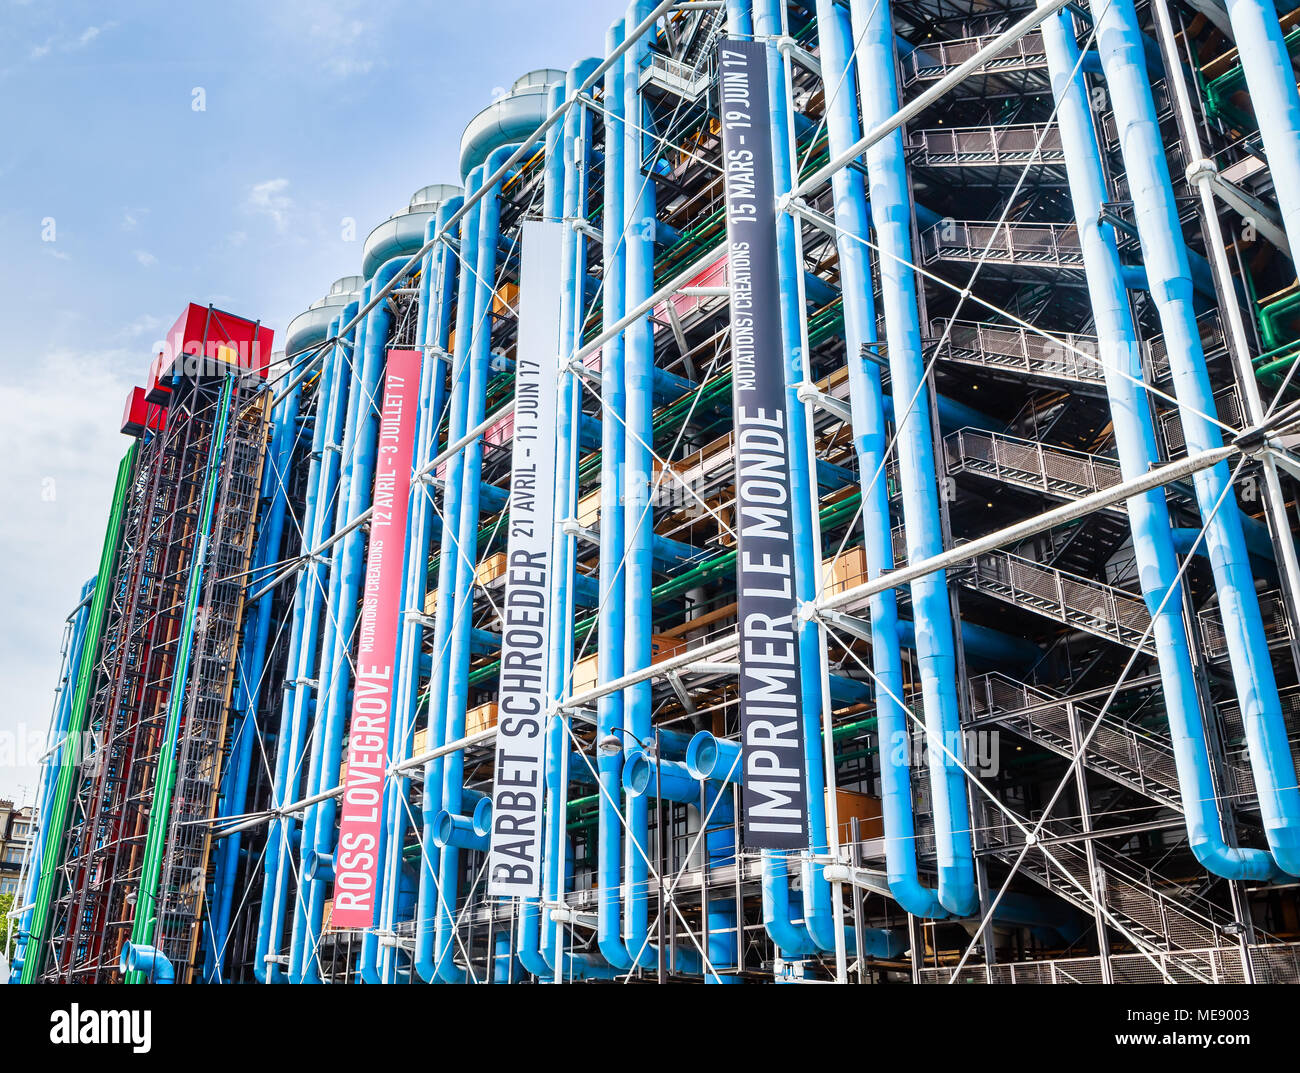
[889,406]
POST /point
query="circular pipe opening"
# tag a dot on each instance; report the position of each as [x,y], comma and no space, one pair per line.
[702,755]
[442,829]
[637,773]
[482,817]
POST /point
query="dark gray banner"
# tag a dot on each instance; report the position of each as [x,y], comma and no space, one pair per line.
[771,715]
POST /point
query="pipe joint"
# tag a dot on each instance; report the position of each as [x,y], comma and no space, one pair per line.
[1202,171]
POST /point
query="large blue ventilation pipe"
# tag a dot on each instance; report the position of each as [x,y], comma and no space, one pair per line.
[448,555]
[869,438]
[347,569]
[1270,78]
[611,616]
[1136,444]
[305,629]
[936,652]
[480,341]
[1119,42]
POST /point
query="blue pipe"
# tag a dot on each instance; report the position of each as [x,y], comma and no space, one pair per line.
[49,776]
[480,354]
[669,779]
[322,483]
[865,396]
[448,556]
[1266,64]
[317,649]
[430,332]
[1120,45]
[1153,543]
[146,959]
[274,493]
[610,616]
[464,832]
[639,215]
[983,644]
[1258,542]
[936,653]
[305,837]
[575,143]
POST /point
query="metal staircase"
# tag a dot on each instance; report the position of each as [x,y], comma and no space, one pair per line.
[1137,758]
[690,75]
[1021,65]
[1036,247]
[1193,939]
[1058,471]
[997,348]
[989,149]
[1079,602]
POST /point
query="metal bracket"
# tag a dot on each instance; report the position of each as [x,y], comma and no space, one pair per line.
[809,392]
[570,527]
[863,878]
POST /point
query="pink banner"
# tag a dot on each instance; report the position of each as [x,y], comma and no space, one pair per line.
[356,862]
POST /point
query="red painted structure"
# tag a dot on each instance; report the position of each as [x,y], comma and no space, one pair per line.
[209,341]
[140,414]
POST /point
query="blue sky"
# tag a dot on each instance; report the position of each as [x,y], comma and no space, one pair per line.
[121,200]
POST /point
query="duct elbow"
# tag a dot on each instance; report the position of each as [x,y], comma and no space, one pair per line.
[464,832]
[1233,862]
[957,892]
[915,898]
[149,960]
[1284,841]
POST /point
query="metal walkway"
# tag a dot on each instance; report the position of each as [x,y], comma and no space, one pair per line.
[1058,471]
[1033,247]
[1020,66]
[986,156]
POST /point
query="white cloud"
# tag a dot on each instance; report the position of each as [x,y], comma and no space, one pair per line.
[65,43]
[346,66]
[61,444]
[342,36]
[142,324]
[146,258]
[269,198]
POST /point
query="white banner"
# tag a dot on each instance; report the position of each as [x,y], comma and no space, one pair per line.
[514,867]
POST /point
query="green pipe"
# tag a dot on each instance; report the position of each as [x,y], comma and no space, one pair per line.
[68,757]
[1275,335]
[145,922]
[1273,368]
[1218,91]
